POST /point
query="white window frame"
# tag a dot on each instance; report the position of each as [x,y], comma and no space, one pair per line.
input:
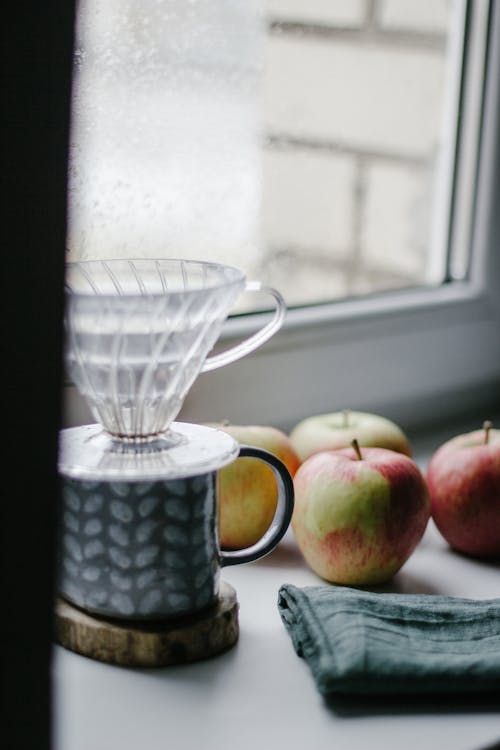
[419,356]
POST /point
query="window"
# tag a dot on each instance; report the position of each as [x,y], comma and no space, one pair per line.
[408,351]
[324,170]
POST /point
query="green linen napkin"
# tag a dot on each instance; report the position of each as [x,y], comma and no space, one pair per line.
[365,642]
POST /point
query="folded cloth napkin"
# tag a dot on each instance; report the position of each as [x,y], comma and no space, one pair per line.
[357,641]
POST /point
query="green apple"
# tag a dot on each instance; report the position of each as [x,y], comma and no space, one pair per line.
[247,491]
[359,513]
[338,429]
[463,477]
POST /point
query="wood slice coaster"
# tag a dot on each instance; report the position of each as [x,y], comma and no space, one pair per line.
[142,643]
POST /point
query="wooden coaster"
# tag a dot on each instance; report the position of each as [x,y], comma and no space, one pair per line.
[150,643]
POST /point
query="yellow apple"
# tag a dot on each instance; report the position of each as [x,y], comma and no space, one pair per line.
[323,432]
[247,491]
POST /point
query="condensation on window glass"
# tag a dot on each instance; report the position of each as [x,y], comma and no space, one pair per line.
[307,143]
[165,145]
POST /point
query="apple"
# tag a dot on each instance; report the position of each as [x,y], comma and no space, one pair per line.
[463,477]
[247,491]
[338,429]
[359,513]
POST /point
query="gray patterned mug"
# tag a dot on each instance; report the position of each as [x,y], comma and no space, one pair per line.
[149,549]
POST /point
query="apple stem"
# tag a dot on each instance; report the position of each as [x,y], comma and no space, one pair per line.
[487,427]
[356,447]
[347,414]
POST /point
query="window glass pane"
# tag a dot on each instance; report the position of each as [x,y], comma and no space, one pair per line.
[307,143]
[357,107]
[165,151]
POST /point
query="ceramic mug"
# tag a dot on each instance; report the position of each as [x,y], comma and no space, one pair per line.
[150,550]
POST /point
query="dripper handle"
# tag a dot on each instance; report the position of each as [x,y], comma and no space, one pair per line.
[256,339]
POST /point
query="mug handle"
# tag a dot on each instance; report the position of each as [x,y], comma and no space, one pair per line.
[256,339]
[282,516]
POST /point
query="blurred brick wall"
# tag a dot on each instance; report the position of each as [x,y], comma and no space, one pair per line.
[353,108]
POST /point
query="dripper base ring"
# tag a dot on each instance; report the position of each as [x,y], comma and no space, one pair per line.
[89,453]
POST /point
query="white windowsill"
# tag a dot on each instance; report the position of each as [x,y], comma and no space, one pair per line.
[419,357]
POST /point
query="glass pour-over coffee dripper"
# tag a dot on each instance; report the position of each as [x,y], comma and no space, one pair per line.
[138,333]
[138,517]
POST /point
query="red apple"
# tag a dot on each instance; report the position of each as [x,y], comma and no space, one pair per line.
[359,513]
[247,492]
[464,484]
[337,430]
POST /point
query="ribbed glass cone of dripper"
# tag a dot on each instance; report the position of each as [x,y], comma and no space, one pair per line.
[138,333]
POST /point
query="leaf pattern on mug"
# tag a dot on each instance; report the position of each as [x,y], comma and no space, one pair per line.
[139,549]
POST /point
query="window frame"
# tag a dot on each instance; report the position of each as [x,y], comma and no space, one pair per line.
[419,356]
[427,353]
